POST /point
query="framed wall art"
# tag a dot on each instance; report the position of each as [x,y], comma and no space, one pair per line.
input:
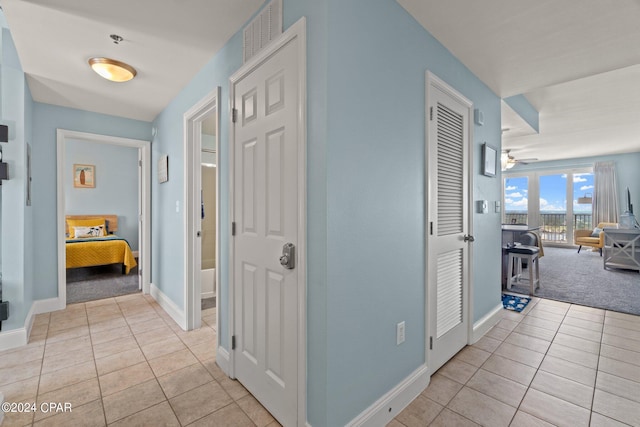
[489,160]
[84,176]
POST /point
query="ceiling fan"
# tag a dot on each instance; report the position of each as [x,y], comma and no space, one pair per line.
[507,161]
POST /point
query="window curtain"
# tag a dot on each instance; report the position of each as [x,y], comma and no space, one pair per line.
[605,193]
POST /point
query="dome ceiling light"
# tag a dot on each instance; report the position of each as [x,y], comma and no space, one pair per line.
[111,69]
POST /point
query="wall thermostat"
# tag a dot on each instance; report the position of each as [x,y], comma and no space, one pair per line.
[478,117]
[483,206]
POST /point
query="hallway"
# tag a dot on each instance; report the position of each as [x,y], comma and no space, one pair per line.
[124,362]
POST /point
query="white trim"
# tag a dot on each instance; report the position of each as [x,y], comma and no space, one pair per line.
[169,306]
[432,81]
[299,31]
[144,148]
[19,337]
[394,401]
[487,322]
[47,305]
[192,147]
[13,338]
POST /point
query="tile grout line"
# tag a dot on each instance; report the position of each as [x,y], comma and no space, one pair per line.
[538,368]
[155,377]
[95,366]
[595,381]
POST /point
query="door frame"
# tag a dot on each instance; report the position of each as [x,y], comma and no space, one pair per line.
[297,30]
[144,150]
[192,218]
[433,81]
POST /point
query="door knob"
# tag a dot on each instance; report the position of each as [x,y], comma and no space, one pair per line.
[287,260]
[468,238]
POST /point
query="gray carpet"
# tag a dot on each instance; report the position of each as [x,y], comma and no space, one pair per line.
[580,278]
[92,283]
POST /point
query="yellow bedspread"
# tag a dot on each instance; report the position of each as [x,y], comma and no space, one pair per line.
[103,252]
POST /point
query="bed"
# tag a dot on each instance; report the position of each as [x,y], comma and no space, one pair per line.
[91,242]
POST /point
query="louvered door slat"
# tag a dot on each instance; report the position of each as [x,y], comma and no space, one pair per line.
[450,162]
[449,292]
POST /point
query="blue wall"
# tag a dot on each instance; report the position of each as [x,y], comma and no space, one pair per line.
[46,119]
[116,190]
[366,63]
[17,237]
[378,55]
[168,267]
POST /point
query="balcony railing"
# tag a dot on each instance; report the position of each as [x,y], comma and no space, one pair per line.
[553,226]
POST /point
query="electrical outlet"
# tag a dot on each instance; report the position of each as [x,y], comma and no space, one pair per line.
[400,333]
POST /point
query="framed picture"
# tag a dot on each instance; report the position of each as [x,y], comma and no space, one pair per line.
[84,176]
[489,160]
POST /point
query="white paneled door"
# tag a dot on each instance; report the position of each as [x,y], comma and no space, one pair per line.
[266,212]
[448,208]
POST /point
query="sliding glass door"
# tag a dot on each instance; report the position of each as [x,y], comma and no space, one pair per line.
[516,200]
[553,208]
[557,201]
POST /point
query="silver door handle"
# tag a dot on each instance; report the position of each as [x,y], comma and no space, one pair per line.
[468,238]
[287,260]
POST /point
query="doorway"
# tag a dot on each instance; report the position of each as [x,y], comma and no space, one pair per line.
[449,225]
[202,224]
[139,221]
[209,209]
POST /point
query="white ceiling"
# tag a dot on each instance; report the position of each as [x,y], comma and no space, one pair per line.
[576,61]
[166,41]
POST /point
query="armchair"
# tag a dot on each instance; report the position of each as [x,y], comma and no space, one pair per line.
[586,238]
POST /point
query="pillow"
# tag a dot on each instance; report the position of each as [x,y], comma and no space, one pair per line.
[86,232]
[596,232]
[71,223]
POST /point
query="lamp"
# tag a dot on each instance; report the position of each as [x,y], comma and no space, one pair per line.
[113,70]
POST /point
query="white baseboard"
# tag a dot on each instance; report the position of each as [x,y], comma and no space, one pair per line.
[393,402]
[19,337]
[48,305]
[487,322]
[175,312]
[206,295]
[13,338]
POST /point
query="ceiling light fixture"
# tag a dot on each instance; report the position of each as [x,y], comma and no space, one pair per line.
[506,161]
[113,70]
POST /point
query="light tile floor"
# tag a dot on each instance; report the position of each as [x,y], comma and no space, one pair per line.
[124,362]
[554,364]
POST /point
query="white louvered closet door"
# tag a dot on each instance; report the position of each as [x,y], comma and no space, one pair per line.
[448,207]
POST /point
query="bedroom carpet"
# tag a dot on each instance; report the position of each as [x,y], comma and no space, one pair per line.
[580,278]
[92,283]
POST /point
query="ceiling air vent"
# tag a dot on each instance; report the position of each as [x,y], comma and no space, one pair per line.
[264,28]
